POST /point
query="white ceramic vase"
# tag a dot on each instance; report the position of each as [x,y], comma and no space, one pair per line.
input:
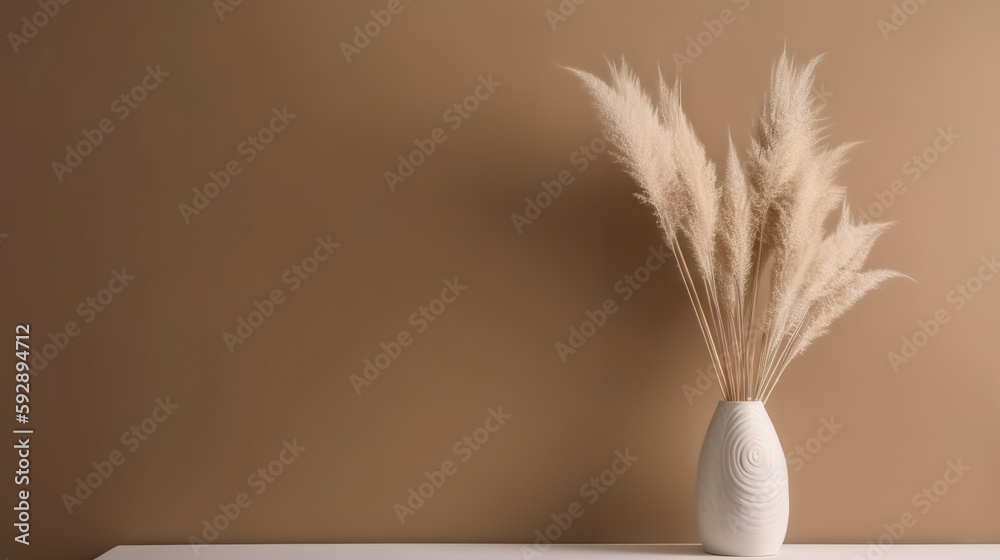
[742,483]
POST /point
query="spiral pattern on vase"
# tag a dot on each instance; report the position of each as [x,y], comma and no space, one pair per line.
[749,465]
[742,482]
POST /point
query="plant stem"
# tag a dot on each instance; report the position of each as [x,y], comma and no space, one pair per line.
[784,360]
[713,303]
[750,335]
[700,313]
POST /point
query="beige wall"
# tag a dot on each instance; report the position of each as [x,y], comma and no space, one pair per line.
[494,345]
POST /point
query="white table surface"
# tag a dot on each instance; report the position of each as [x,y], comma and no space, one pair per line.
[556,552]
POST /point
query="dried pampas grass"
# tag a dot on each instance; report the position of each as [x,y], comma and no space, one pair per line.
[764,218]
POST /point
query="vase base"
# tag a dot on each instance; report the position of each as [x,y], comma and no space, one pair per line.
[754,554]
